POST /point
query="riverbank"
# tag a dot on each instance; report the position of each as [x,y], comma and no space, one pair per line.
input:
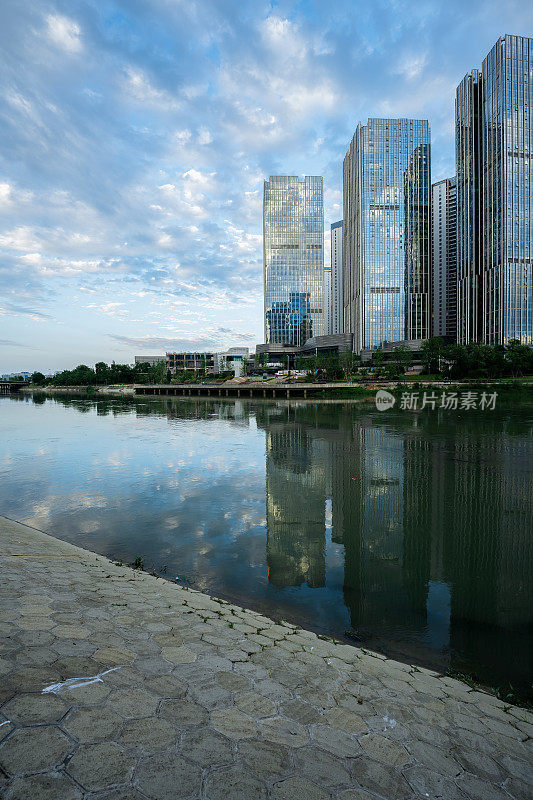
[181,695]
[333,392]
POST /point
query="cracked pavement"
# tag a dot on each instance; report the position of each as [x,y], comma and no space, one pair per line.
[195,698]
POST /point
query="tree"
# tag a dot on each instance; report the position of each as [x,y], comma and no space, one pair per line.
[349,362]
[38,378]
[519,357]
[432,354]
[403,358]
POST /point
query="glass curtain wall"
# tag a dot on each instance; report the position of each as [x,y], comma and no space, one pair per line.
[293,259]
[386,241]
[495,196]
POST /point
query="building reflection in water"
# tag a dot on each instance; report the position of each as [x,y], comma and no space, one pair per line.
[433,514]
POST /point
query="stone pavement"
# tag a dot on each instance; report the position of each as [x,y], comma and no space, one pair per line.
[184,696]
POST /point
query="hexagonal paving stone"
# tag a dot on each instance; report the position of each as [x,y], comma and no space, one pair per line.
[281,730]
[255,704]
[293,788]
[323,769]
[166,686]
[27,709]
[233,723]
[383,749]
[33,749]
[232,783]
[345,720]
[92,724]
[300,712]
[178,655]
[335,741]
[44,787]
[71,632]
[33,679]
[168,777]
[182,713]
[132,703]
[206,748]
[381,779]
[113,656]
[430,784]
[233,681]
[263,758]
[211,696]
[127,793]
[476,789]
[96,766]
[434,758]
[149,734]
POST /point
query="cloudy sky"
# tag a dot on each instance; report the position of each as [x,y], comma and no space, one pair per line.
[135,136]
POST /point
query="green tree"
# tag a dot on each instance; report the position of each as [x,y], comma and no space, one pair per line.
[432,354]
[519,357]
[403,358]
[349,362]
[38,378]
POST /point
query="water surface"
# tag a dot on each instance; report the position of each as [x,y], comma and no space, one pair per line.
[413,530]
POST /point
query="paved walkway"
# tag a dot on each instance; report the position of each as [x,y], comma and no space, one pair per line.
[116,685]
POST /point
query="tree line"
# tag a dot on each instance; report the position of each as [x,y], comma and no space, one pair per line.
[104,374]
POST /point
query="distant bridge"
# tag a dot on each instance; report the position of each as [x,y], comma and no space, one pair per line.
[268,390]
[8,387]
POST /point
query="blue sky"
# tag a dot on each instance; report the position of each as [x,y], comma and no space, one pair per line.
[135,136]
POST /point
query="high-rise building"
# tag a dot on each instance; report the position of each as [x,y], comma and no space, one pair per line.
[494,145]
[444,254]
[328,308]
[293,259]
[386,238]
[337,280]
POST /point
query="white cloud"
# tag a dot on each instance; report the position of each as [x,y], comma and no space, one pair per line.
[64,32]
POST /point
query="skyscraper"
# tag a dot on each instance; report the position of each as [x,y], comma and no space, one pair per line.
[293,259]
[328,308]
[444,254]
[495,196]
[386,240]
[337,280]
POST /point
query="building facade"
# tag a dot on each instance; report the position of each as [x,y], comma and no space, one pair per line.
[386,232]
[293,259]
[495,196]
[337,279]
[150,360]
[328,307]
[444,257]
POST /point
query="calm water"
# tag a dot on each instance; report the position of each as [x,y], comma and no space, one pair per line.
[414,530]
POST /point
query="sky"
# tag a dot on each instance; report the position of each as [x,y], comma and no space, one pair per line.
[135,136]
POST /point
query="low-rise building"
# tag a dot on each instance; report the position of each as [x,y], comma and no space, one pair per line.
[150,360]
[233,360]
[190,362]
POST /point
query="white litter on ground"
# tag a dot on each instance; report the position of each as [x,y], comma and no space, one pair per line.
[5,723]
[76,683]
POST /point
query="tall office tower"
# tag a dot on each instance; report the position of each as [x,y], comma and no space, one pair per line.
[386,239]
[328,308]
[337,280]
[444,253]
[494,144]
[293,259]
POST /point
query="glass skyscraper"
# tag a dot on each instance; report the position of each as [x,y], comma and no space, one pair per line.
[293,259]
[386,239]
[444,252]
[337,279]
[494,146]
